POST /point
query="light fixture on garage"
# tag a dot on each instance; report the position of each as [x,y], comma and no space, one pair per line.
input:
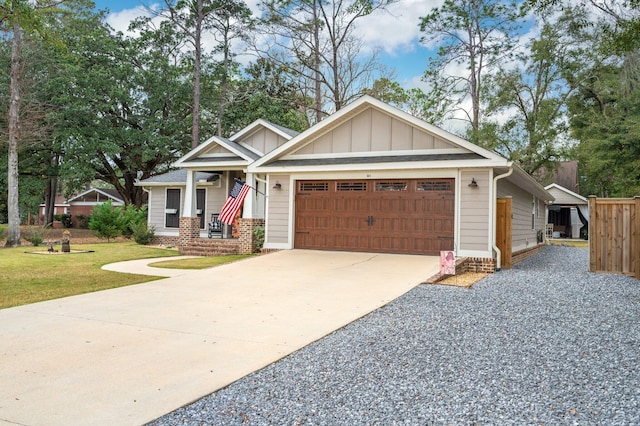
[278,185]
[473,183]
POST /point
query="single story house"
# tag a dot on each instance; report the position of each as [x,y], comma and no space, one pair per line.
[568,215]
[368,178]
[82,204]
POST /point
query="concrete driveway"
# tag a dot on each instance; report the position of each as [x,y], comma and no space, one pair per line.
[129,355]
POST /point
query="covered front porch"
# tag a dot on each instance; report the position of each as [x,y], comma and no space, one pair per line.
[216,238]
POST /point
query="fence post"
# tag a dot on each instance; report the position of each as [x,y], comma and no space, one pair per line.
[593,243]
[635,237]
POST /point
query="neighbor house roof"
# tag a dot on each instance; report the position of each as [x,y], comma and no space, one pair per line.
[97,193]
[564,195]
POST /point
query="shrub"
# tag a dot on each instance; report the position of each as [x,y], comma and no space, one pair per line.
[83,221]
[64,218]
[3,232]
[132,217]
[142,234]
[35,234]
[258,238]
[106,222]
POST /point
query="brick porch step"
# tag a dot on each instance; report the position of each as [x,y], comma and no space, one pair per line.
[211,247]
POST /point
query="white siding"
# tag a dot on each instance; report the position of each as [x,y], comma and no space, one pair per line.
[475,207]
[523,234]
[277,223]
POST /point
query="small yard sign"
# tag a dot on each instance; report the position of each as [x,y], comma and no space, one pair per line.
[447,263]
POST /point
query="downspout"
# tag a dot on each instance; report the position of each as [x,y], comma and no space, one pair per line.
[495,202]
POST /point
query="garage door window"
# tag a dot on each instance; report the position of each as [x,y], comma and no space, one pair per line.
[391,186]
[351,186]
[433,186]
[313,186]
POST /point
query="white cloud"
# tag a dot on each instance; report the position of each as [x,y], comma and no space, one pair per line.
[120,21]
[396,29]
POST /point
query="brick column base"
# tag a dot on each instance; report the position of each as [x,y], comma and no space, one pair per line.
[189,231]
[246,234]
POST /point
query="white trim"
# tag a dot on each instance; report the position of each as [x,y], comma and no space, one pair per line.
[474,253]
[82,194]
[565,190]
[415,165]
[278,246]
[167,233]
[375,154]
[362,103]
[252,128]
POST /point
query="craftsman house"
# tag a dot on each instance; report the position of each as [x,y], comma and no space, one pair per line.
[368,178]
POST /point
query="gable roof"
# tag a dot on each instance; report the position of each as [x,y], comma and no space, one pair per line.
[564,195]
[111,194]
[259,124]
[459,149]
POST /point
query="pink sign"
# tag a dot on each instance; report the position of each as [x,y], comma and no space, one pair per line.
[447,263]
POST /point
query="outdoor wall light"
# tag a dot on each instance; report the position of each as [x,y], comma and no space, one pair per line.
[278,185]
[473,183]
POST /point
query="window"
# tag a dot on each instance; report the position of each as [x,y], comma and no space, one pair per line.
[172,209]
[391,186]
[351,186]
[200,205]
[314,186]
[433,185]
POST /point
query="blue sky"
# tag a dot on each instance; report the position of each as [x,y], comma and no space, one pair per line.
[394,32]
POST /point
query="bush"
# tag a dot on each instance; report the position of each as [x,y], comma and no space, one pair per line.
[35,234]
[83,221]
[3,232]
[133,217]
[106,221]
[64,218]
[142,234]
[258,238]
[109,222]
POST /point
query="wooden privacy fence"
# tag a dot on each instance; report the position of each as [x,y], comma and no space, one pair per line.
[614,235]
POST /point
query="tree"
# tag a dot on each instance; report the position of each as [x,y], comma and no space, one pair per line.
[316,42]
[478,35]
[605,118]
[525,116]
[128,106]
[16,17]
[228,19]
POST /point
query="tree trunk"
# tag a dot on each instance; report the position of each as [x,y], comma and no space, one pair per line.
[13,207]
[195,130]
[317,61]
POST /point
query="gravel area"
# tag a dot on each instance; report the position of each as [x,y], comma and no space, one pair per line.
[544,343]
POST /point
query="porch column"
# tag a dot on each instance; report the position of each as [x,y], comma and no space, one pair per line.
[249,201]
[189,208]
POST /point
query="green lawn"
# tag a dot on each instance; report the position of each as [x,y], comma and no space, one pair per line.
[28,278]
[198,262]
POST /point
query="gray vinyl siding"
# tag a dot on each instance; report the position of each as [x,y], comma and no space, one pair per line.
[373,131]
[214,199]
[277,228]
[523,235]
[562,197]
[475,205]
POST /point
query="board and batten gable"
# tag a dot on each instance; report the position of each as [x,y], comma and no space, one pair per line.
[372,131]
[263,140]
[475,213]
[528,215]
[278,212]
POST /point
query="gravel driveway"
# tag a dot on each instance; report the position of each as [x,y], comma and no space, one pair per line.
[544,343]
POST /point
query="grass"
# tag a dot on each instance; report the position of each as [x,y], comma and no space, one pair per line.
[28,278]
[198,262]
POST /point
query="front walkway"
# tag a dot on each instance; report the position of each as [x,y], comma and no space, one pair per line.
[129,355]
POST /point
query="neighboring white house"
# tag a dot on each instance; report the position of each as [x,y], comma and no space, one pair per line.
[568,215]
[368,178]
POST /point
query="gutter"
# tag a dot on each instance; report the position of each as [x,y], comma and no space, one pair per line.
[494,201]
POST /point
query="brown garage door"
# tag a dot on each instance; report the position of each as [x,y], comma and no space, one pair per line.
[388,216]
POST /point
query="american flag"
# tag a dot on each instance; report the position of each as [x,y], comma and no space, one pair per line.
[234,202]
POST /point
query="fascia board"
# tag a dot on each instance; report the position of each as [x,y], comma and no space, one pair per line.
[255,125]
[326,125]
